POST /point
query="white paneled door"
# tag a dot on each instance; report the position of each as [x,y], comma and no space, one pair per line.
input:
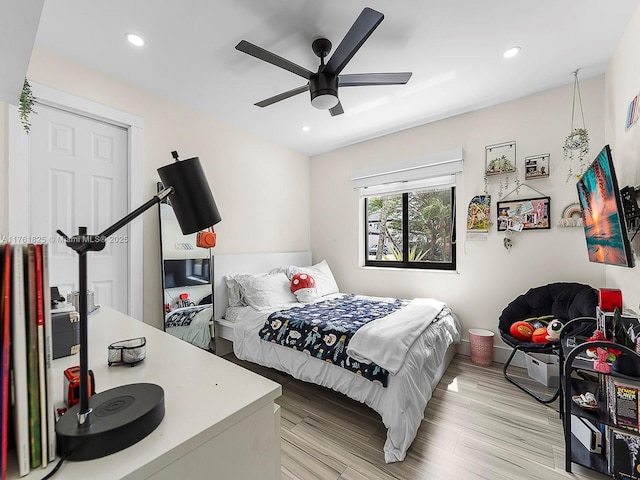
[78,177]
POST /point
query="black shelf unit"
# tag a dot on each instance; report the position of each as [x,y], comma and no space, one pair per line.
[578,376]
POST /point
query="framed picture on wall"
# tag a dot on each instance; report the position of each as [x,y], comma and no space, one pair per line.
[536,166]
[524,214]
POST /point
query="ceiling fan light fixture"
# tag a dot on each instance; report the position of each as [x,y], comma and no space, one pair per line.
[324,101]
[324,90]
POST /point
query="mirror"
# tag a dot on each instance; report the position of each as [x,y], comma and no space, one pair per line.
[186,282]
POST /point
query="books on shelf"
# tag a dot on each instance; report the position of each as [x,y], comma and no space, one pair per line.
[48,350]
[622,402]
[35,442]
[42,378]
[25,358]
[5,305]
[624,454]
[19,363]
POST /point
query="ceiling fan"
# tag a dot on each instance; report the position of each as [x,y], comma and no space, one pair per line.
[324,83]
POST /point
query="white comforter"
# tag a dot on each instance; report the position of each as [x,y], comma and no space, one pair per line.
[401,404]
[387,340]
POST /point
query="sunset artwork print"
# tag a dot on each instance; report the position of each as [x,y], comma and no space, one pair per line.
[601,205]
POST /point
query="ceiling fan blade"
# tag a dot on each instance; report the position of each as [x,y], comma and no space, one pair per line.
[361,79]
[361,29]
[282,96]
[337,110]
[273,59]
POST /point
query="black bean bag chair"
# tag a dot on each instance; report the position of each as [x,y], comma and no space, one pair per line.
[564,300]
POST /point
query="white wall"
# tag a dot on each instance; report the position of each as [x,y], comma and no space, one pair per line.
[623,83]
[488,275]
[252,179]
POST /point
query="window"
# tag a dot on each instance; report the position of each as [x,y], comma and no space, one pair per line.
[409,211]
[412,229]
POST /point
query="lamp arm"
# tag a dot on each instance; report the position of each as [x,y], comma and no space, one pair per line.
[138,211]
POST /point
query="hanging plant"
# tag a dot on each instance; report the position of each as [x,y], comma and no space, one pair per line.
[500,161]
[504,167]
[27,101]
[577,142]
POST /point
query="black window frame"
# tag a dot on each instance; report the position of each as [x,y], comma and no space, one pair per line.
[423,265]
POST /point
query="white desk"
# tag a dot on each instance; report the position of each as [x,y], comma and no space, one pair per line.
[220,419]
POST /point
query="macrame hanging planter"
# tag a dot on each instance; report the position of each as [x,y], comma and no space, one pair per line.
[577,142]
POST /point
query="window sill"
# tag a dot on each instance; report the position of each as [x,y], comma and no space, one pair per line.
[410,270]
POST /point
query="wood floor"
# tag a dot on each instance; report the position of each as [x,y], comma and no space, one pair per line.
[476,426]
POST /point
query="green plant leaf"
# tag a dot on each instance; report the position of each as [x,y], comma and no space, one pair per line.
[27,100]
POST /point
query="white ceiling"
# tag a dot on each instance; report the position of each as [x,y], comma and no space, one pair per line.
[453,47]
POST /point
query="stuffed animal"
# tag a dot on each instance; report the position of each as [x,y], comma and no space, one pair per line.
[525,330]
[598,335]
[539,335]
[553,330]
[303,286]
[521,331]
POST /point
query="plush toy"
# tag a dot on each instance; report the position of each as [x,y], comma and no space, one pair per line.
[553,330]
[525,330]
[539,335]
[598,336]
[521,331]
[303,286]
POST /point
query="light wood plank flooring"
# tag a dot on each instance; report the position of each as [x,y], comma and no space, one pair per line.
[476,426]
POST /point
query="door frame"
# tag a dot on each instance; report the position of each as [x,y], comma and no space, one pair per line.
[18,174]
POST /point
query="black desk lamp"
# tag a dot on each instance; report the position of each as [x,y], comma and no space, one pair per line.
[115,419]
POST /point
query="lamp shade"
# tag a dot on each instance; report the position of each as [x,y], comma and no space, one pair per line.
[192,200]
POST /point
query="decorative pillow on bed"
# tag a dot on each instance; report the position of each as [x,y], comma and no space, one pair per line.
[303,286]
[265,290]
[231,313]
[234,295]
[325,283]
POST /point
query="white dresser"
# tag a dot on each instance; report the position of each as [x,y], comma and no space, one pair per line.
[220,419]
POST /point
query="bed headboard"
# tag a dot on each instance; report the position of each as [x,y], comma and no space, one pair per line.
[223,265]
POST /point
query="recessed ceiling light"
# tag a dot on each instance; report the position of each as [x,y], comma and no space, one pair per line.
[306,128]
[134,39]
[512,52]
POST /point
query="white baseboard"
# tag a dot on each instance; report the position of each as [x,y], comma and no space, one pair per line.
[500,354]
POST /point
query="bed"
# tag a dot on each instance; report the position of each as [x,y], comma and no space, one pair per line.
[412,376]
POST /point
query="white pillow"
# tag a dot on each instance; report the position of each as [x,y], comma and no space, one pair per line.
[267,290]
[325,282]
[234,295]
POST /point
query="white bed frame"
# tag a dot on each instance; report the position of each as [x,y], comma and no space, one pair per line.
[223,265]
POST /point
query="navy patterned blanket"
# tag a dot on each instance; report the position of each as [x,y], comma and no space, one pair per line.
[323,329]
